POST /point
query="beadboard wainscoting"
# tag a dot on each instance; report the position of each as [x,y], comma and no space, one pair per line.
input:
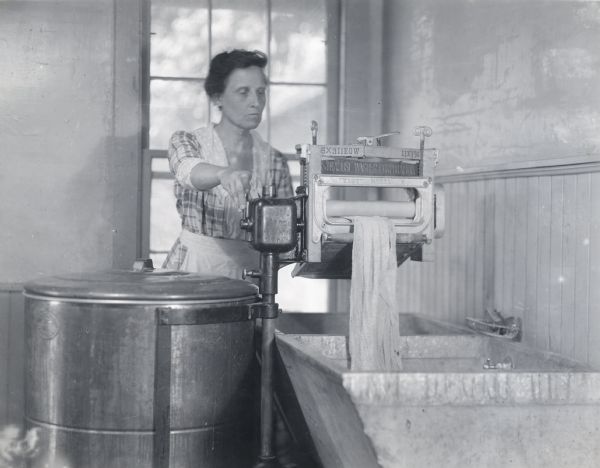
[526,246]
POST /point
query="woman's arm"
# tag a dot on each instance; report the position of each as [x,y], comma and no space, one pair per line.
[205,176]
[191,171]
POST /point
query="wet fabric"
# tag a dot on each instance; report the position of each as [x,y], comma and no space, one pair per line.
[374,323]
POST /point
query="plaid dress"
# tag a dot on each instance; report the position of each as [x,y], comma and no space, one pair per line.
[212,212]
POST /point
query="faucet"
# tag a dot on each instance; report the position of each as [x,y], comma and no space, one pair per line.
[497,326]
[507,363]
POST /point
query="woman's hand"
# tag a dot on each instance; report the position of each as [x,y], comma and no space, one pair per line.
[236,183]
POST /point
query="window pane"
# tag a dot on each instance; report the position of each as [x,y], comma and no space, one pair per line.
[239,24]
[301,294]
[294,166]
[164,219]
[179,40]
[292,110]
[160,165]
[158,259]
[298,41]
[175,105]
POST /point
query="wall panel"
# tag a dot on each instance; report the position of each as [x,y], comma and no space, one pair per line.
[569,275]
[454,284]
[530,314]
[519,278]
[508,91]
[70,126]
[11,356]
[16,358]
[581,259]
[593,311]
[499,247]
[498,81]
[4,334]
[528,247]
[542,279]
[70,152]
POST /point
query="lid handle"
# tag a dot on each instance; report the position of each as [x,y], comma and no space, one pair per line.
[143,264]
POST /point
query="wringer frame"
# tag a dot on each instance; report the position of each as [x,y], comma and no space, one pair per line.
[314,228]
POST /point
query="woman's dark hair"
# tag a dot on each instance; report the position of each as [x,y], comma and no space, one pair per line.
[224,63]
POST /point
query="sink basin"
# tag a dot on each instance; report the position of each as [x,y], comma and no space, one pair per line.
[450,406]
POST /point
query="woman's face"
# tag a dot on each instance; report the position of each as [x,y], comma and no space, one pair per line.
[244,97]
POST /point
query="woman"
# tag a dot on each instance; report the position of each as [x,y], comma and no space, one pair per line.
[217,166]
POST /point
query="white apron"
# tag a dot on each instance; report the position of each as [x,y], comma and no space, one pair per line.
[215,256]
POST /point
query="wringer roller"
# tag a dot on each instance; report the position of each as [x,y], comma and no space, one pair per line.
[314,229]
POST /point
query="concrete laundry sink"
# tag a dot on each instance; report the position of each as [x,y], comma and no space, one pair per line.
[461,400]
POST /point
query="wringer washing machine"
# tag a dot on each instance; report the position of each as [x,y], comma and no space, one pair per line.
[131,369]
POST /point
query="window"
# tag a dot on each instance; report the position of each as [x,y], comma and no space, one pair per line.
[301,40]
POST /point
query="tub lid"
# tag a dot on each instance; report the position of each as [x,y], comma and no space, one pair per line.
[161,286]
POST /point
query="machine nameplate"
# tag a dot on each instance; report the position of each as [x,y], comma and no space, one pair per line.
[373,168]
[335,150]
[361,151]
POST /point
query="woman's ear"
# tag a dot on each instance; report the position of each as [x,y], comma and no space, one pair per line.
[216,100]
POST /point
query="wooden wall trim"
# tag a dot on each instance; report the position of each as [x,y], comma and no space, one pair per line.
[548,167]
[11,287]
[125,158]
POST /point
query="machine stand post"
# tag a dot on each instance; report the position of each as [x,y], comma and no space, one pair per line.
[268,288]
